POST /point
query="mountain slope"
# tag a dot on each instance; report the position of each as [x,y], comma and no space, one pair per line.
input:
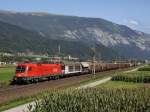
[122,39]
[16,39]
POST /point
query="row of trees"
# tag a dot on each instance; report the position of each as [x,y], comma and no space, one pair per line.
[9,59]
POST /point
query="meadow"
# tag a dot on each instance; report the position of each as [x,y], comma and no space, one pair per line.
[6,74]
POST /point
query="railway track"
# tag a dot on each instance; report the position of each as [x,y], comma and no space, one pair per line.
[14,92]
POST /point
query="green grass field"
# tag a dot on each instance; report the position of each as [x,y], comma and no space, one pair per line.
[6,74]
[121,84]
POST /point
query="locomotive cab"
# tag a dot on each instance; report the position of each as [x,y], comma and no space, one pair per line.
[21,74]
[21,71]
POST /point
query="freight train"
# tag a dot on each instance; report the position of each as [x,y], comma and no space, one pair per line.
[35,72]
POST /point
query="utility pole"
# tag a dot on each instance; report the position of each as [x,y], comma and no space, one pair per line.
[93,49]
[59,53]
[119,62]
[100,57]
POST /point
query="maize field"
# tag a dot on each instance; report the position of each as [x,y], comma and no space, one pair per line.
[146,68]
[137,77]
[94,100]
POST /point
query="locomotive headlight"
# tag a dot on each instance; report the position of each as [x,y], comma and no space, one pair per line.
[19,75]
[55,70]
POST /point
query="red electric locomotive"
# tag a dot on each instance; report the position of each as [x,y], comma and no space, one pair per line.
[32,72]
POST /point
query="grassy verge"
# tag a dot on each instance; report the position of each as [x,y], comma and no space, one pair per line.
[98,77]
[16,102]
[93,79]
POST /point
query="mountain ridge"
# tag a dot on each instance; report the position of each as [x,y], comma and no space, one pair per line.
[89,30]
[14,39]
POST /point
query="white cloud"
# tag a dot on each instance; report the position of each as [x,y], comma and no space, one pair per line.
[132,23]
[136,24]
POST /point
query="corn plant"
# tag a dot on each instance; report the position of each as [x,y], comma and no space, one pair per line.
[146,68]
[137,77]
[95,100]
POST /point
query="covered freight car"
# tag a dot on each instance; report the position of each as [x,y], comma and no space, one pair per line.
[70,68]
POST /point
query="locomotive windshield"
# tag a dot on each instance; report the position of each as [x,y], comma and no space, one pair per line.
[20,69]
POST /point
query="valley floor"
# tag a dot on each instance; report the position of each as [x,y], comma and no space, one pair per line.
[102,83]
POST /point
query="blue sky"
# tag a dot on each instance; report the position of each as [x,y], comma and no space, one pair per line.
[133,13]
